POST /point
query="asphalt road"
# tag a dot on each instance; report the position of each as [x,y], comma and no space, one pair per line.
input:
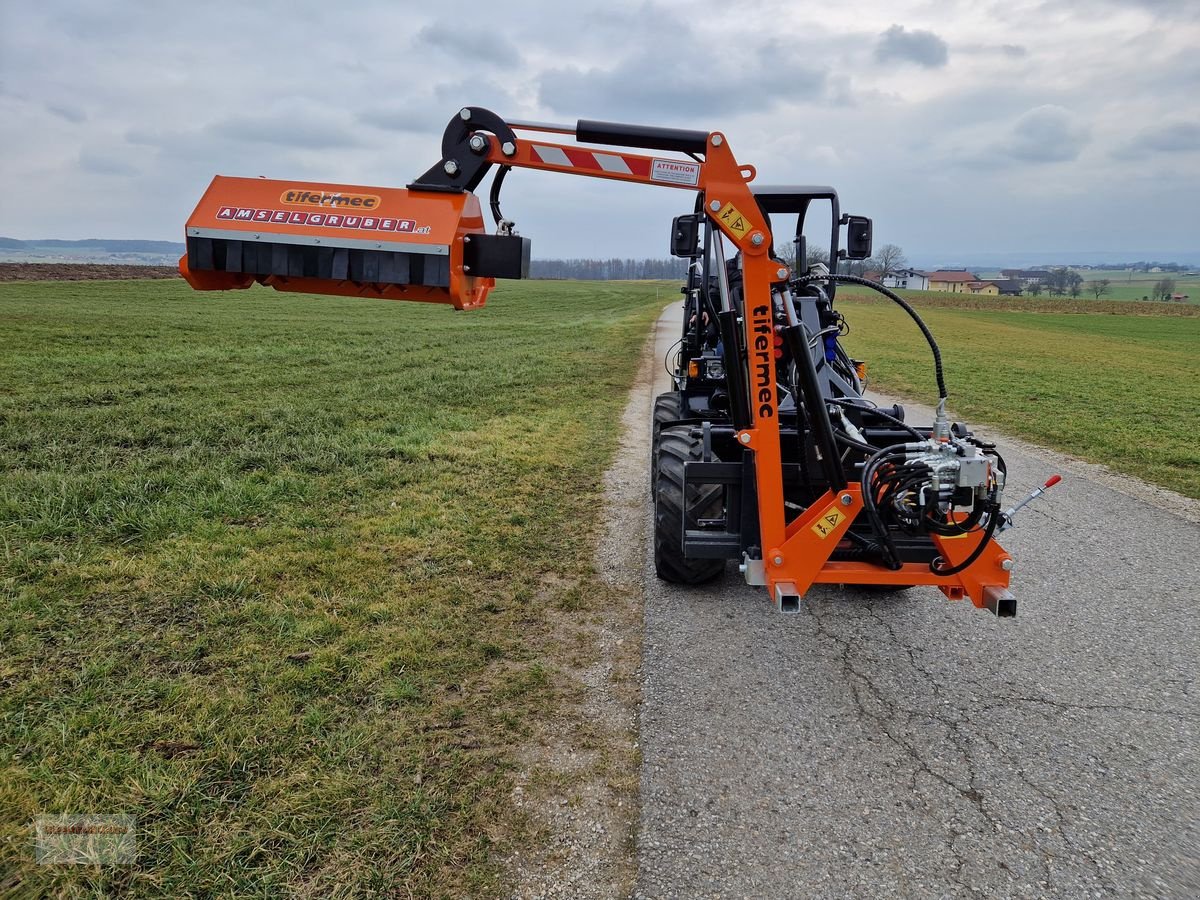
[907,746]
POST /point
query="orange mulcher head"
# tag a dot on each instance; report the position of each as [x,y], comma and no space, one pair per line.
[344,240]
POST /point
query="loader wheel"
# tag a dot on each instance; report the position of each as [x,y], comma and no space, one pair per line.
[668,408]
[675,447]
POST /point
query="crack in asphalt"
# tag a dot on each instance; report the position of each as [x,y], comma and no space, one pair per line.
[960,734]
[858,678]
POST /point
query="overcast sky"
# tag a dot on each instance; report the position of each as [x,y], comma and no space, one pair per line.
[961,126]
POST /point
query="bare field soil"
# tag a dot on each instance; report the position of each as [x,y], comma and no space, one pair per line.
[82,272]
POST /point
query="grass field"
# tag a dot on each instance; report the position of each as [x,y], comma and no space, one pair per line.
[1043,304]
[1108,387]
[277,570]
[275,574]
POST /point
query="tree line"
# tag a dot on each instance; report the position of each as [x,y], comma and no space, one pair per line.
[613,269]
[1063,282]
[1143,266]
[888,259]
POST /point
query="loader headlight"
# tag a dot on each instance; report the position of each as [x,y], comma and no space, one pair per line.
[715,369]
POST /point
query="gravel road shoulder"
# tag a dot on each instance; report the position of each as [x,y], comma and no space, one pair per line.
[579,778]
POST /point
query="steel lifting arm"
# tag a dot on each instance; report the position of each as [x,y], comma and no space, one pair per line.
[729,203]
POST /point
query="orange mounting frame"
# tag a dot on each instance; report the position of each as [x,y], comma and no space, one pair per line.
[796,554]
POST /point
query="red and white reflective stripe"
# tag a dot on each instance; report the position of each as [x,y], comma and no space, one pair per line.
[574,158]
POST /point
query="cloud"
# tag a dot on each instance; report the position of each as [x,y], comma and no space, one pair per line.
[1160,7]
[72,114]
[803,98]
[428,115]
[104,162]
[408,118]
[451,96]
[1169,137]
[924,48]
[1012,51]
[1046,134]
[293,130]
[640,88]
[467,43]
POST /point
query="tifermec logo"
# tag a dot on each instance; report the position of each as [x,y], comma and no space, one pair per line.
[329,200]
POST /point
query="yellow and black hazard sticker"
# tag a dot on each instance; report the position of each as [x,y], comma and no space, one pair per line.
[732,219]
[829,520]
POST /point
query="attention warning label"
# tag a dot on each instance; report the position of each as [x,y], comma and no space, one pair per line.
[829,520]
[732,218]
[674,172]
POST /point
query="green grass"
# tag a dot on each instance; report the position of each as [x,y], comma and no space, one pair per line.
[1123,390]
[1044,303]
[275,572]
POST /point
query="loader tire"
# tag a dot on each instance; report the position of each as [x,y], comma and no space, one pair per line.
[676,446]
[668,408]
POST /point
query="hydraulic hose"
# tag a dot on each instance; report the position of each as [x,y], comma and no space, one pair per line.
[875,411]
[494,196]
[904,305]
[891,557]
[993,519]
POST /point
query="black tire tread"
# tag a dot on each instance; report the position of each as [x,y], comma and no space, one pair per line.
[668,408]
[675,447]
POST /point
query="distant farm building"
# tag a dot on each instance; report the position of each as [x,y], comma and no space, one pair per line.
[983,287]
[1009,287]
[954,280]
[1026,275]
[907,278]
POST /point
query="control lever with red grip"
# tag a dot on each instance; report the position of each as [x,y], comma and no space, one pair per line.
[1007,515]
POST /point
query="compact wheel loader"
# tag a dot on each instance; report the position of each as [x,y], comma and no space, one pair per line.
[766,451]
